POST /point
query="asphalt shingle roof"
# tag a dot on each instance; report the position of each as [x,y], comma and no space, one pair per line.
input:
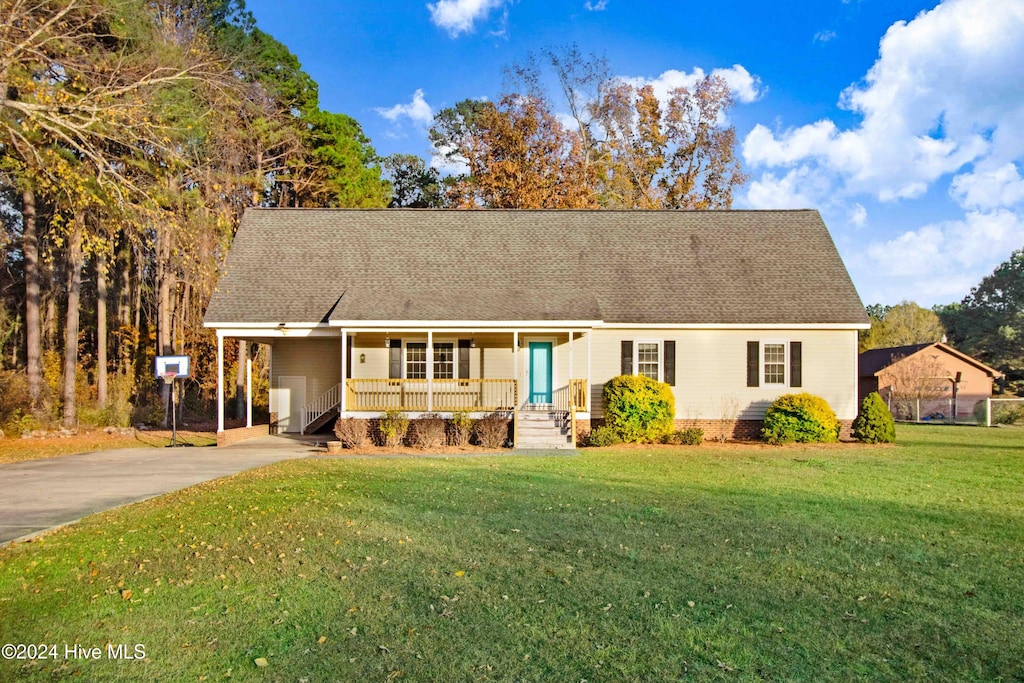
[745,267]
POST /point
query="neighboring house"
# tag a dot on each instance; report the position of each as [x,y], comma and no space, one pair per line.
[919,380]
[533,311]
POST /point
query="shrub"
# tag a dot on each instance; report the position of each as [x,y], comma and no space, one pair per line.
[691,436]
[392,426]
[603,436]
[428,431]
[1004,413]
[804,418]
[492,430]
[874,423]
[639,408]
[461,428]
[352,432]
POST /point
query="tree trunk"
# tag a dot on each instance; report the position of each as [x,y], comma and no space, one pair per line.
[243,348]
[33,331]
[101,331]
[71,326]
[163,325]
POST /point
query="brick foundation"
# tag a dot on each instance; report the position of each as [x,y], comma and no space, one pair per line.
[230,436]
[273,423]
[715,430]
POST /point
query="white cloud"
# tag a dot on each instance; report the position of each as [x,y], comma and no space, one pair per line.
[824,36]
[942,261]
[943,93]
[745,87]
[797,189]
[858,215]
[1002,186]
[596,6]
[458,16]
[417,111]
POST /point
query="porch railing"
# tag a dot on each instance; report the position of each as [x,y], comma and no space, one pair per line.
[323,404]
[446,395]
[571,397]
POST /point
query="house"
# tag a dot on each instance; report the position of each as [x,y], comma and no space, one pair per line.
[919,380]
[531,312]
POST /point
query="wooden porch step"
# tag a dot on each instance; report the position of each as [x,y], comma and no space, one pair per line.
[543,429]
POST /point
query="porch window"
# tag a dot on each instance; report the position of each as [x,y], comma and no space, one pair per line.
[416,360]
[444,360]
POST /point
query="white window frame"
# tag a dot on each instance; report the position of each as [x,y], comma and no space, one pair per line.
[455,358]
[785,362]
[405,354]
[405,358]
[661,356]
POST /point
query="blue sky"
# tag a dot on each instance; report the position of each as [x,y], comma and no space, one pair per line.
[901,121]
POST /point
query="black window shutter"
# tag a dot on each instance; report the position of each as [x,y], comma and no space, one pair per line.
[627,357]
[395,359]
[463,359]
[753,364]
[795,363]
[670,362]
[348,359]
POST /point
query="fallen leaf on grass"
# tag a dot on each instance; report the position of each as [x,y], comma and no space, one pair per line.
[261,662]
[322,640]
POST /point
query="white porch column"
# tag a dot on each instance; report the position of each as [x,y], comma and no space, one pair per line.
[430,371]
[515,360]
[590,380]
[344,373]
[248,392]
[571,335]
[220,381]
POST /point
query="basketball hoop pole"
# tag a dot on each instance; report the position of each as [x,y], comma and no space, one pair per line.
[169,377]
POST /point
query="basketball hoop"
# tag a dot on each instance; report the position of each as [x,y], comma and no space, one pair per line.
[168,377]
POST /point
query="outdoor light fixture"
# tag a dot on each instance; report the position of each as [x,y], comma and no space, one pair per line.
[362,358]
[472,342]
[387,342]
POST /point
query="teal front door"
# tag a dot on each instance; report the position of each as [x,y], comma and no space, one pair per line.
[540,372]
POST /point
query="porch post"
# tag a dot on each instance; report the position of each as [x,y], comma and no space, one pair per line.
[571,335]
[430,371]
[220,381]
[515,358]
[590,380]
[248,392]
[344,373]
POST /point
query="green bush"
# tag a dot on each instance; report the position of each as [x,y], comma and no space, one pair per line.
[1004,414]
[691,436]
[874,423]
[603,436]
[638,408]
[803,418]
[392,427]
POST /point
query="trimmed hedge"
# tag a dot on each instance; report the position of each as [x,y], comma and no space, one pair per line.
[803,418]
[874,423]
[638,408]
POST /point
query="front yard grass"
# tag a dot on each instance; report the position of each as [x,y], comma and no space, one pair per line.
[807,563]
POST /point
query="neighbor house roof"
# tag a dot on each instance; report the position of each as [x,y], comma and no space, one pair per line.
[322,265]
[874,361]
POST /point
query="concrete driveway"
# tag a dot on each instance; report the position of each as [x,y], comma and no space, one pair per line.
[40,494]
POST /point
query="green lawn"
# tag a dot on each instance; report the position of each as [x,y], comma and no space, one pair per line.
[739,563]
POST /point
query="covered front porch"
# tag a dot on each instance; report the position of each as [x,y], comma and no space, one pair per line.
[324,371]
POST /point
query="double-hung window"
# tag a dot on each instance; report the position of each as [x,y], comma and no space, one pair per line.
[774,363]
[653,358]
[416,360]
[648,359]
[444,360]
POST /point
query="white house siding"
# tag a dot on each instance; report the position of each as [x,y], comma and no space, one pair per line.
[711,369]
[318,360]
